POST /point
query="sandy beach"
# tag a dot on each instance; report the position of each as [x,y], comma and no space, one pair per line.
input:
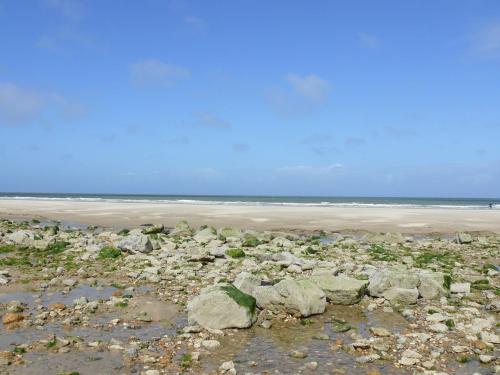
[119,214]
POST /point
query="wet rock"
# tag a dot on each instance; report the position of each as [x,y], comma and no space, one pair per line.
[227,366]
[401,296]
[340,325]
[298,354]
[222,306]
[312,365]
[298,297]
[340,290]
[69,282]
[380,332]
[368,358]
[135,243]
[410,358]
[12,317]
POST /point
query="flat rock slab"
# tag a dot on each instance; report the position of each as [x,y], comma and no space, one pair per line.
[340,290]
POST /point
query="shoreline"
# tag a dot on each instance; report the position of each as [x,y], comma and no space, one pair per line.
[258,217]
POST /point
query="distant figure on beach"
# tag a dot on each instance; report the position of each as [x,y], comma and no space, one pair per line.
[491,205]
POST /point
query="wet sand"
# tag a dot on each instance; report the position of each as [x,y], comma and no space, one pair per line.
[119,214]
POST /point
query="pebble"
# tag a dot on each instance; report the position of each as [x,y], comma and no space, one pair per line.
[367,358]
[12,317]
[210,344]
[298,354]
[380,332]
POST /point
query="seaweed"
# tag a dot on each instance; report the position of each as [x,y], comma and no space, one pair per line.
[242,299]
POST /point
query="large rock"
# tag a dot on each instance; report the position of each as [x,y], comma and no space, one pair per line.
[154,229]
[222,306]
[386,279]
[401,296]
[341,290]
[405,286]
[21,237]
[135,243]
[464,238]
[230,234]
[300,298]
[431,284]
[205,235]
[182,229]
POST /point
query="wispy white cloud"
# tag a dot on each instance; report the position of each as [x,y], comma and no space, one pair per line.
[181,140]
[312,170]
[20,106]
[355,141]
[400,132]
[65,38]
[241,147]
[195,23]
[321,144]
[70,9]
[303,94]
[486,42]
[207,119]
[309,86]
[369,40]
[154,72]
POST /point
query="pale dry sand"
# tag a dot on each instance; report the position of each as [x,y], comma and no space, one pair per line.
[119,214]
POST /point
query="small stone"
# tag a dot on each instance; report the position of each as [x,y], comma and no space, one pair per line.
[439,328]
[380,332]
[11,317]
[312,365]
[267,324]
[69,282]
[226,366]
[321,336]
[210,344]
[298,354]
[294,268]
[57,306]
[460,288]
[490,338]
[486,358]
[435,318]
[407,361]
[367,358]
[429,365]
[459,349]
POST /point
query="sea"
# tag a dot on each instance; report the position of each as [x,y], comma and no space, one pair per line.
[319,201]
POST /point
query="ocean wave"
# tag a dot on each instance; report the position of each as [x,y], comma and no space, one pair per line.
[254,202]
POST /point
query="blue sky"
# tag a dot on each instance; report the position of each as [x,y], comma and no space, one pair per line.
[251,97]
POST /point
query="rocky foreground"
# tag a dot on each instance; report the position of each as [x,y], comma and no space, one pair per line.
[161,300]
